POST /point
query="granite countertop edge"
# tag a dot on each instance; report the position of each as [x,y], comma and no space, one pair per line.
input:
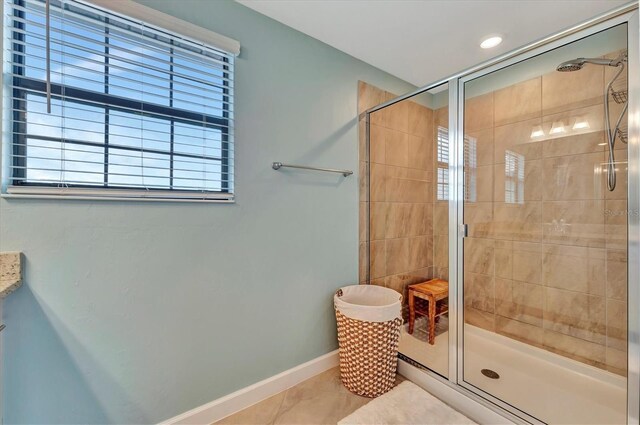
[10,272]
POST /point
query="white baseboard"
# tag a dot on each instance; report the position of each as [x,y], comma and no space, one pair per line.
[473,409]
[241,399]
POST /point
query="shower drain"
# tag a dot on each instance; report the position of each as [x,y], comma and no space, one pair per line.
[490,374]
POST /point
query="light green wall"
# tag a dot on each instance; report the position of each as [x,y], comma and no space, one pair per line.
[134,312]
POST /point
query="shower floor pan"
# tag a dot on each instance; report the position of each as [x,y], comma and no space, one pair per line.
[553,388]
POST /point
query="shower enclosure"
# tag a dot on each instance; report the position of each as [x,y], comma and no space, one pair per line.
[517,183]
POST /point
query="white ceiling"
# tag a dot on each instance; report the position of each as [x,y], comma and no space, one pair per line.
[422,41]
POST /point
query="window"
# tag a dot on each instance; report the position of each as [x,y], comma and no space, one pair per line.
[135,111]
[470,167]
[443,164]
[514,178]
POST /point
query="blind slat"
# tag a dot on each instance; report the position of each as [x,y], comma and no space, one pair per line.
[118,193]
[203,181]
[179,60]
[125,56]
[100,105]
[114,69]
[72,147]
[133,111]
[91,25]
[68,138]
[79,183]
[108,88]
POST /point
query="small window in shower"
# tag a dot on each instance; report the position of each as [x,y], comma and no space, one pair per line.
[513,178]
[470,166]
[443,164]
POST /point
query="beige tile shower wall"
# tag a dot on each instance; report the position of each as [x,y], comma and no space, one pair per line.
[550,271]
[401,192]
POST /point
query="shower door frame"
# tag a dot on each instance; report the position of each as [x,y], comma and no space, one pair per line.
[624,14]
[456,216]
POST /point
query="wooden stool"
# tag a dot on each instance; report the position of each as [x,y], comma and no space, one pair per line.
[431,291]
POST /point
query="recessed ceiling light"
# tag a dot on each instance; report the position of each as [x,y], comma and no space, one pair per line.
[491,41]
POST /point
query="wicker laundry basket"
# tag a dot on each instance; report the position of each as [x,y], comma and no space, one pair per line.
[369,319]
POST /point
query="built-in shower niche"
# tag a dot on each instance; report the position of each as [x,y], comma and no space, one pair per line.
[405,204]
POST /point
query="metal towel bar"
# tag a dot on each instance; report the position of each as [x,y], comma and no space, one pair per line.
[279,165]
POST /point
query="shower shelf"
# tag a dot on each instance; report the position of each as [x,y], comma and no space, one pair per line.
[622,135]
[619,96]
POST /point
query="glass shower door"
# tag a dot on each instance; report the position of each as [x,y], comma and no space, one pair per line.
[545,257]
[407,246]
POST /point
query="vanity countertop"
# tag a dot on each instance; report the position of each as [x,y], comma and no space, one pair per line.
[10,272]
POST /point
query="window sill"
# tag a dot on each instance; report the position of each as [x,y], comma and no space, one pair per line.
[26,192]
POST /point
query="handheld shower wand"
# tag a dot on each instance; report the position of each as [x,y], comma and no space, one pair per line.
[576,65]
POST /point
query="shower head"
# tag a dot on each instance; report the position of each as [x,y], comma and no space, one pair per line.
[578,63]
[570,66]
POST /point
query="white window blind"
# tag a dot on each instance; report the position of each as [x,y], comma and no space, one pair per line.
[136,111]
[514,178]
[443,164]
[470,166]
[470,169]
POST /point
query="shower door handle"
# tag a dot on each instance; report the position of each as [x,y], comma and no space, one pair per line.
[464,230]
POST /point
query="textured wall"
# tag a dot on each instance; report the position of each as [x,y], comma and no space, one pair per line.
[134,312]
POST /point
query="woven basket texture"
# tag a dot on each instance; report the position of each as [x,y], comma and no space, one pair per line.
[368,354]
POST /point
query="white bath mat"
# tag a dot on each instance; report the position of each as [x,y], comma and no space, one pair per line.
[406,404]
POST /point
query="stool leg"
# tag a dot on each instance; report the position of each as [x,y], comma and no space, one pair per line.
[432,320]
[412,312]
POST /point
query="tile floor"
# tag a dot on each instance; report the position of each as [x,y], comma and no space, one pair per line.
[320,400]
